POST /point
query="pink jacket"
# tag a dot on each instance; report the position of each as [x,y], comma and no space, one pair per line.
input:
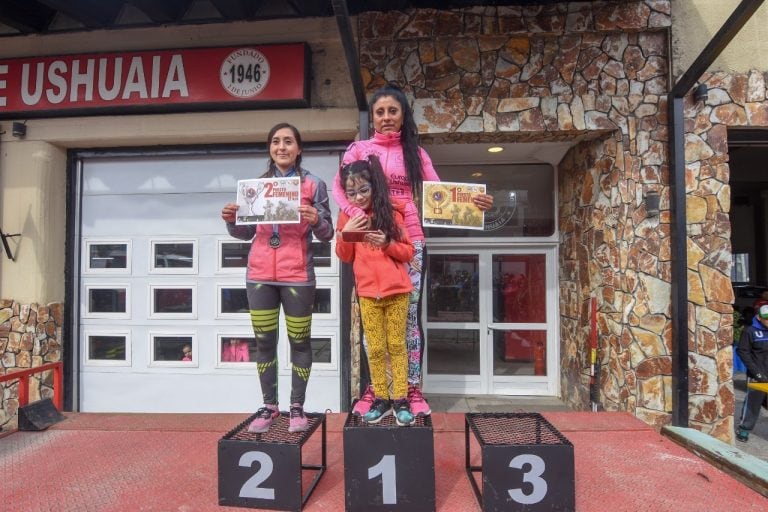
[390,152]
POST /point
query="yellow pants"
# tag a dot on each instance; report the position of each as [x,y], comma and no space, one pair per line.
[384,323]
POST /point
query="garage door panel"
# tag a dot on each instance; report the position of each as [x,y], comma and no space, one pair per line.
[159,176]
[162,214]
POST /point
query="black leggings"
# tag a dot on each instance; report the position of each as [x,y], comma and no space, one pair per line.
[264,301]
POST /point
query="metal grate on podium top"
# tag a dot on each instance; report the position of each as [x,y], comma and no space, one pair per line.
[354,420]
[516,428]
[278,430]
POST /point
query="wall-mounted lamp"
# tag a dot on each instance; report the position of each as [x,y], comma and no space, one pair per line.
[701,93]
[652,200]
[7,247]
[19,129]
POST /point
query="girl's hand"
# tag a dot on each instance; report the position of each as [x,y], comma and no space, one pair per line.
[377,239]
[309,214]
[358,223]
[483,201]
[229,212]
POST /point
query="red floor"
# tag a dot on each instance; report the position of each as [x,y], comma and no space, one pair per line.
[127,462]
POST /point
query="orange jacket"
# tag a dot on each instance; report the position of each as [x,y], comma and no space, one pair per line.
[378,272]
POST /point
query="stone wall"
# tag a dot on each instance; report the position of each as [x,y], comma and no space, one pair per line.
[591,73]
[734,100]
[30,335]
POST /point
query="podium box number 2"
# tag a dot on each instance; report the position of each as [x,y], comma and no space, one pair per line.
[265,470]
[387,467]
[527,464]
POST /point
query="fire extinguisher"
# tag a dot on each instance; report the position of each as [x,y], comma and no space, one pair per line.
[539,358]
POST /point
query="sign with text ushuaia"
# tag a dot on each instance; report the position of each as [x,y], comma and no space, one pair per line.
[184,80]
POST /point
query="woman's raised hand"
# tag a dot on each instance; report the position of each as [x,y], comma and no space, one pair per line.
[229,212]
[483,201]
[357,223]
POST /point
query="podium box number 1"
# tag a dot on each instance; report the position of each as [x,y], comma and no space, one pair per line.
[527,464]
[387,467]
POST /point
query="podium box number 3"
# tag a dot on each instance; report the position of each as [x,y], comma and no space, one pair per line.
[387,467]
[264,470]
[527,464]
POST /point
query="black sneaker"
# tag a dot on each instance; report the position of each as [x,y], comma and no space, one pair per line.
[379,409]
[742,435]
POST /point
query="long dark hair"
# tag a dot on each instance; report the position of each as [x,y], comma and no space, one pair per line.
[409,137]
[383,216]
[271,166]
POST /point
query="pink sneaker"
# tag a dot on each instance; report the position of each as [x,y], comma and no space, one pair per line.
[363,405]
[264,418]
[298,422]
[419,406]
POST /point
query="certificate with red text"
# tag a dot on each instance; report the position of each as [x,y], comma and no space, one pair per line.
[447,204]
[268,201]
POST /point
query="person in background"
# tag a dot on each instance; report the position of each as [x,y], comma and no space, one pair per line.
[186,352]
[753,351]
[281,273]
[406,166]
[382,283]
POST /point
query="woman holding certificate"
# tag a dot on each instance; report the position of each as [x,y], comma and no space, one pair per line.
[406,165]
[281,272]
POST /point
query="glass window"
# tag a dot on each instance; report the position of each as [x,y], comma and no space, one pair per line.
[453,351]
[322,254]
[171,300]
[234,254]
[234,300]
[453,292]
[171,257]
[173,348]
[519,352]
[322,301]
[237,349]
[107,348]
[740,267]
[106,300]
[321,349]
[107,257]
[523,199]
[519,288]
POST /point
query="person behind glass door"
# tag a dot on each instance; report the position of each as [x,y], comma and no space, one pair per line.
[381,281]
[406,165]
[281,272]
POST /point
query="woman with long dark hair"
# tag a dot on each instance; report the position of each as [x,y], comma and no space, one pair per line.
[406,165]
[281,272]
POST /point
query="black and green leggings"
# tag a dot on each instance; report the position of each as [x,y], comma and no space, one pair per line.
[264,301]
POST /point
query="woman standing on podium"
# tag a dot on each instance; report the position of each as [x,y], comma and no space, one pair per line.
[406,165]
[281,272]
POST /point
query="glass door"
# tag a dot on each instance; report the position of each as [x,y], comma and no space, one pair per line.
[490,321]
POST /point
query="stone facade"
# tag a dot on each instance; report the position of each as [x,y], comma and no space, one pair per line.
[734,100]
[595,74]
[30,335]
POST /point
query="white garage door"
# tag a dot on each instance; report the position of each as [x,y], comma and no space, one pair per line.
[163,321]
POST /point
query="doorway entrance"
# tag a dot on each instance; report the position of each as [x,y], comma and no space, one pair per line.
[490,320]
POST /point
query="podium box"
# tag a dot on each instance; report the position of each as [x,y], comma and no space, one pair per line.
[265,470]
[526,463]
[388,467]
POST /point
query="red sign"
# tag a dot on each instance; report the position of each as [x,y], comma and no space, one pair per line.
[135,82]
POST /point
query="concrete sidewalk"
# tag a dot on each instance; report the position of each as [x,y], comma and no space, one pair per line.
[164,462]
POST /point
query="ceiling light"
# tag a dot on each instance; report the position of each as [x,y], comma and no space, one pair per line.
[495,149]
[476,174]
